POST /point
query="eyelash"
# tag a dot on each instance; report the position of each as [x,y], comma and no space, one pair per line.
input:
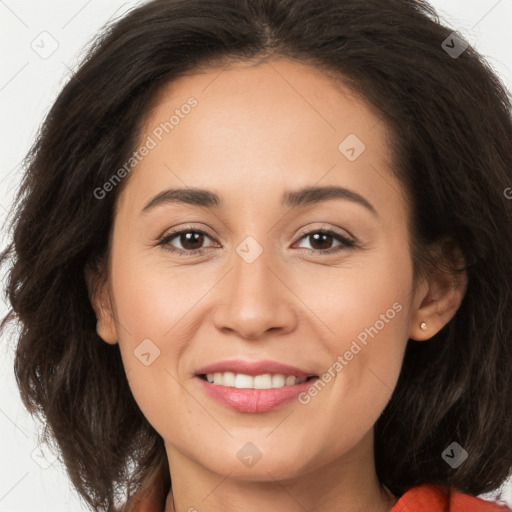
[347,243]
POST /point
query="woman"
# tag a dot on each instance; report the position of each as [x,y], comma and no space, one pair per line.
[176,328]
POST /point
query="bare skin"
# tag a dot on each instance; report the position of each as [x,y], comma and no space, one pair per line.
[256,132]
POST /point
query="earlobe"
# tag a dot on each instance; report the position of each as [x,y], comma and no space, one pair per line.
[101,304]
[440,298]
[105,326]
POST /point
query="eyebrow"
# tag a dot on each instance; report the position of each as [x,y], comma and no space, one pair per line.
[292,199]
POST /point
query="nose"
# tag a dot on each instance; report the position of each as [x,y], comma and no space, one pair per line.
[255,299]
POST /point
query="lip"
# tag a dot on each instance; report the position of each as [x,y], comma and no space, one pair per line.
[254,368]
[253,400]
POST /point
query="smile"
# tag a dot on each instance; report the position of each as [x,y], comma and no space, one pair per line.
[243,381]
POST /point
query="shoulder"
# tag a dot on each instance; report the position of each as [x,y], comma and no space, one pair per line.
[436,498]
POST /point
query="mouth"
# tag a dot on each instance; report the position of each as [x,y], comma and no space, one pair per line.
[262,381]
[253,386]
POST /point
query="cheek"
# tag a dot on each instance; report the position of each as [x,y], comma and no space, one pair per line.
[368,312]
[158,308]
[153,298]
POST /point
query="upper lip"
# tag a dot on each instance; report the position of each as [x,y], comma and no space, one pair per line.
[253,368]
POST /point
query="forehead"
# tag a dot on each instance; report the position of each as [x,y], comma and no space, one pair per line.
[256,127]
[267,96]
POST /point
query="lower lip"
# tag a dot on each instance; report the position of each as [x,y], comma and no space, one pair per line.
[254,400]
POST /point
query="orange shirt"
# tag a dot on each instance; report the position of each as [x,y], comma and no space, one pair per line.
[432,498]
[423,498]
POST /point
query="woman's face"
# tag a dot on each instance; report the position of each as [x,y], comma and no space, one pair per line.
[288,155]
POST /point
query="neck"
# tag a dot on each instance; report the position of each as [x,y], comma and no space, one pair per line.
[347,484]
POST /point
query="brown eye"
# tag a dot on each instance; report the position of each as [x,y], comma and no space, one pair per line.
[322,240]
[191,241]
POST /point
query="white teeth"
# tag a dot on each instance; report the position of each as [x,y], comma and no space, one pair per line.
[290,380]
[229,379]
[242,381]
[263,381]
[278,381]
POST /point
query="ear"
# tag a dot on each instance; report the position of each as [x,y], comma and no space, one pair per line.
[97,287]
[439,295]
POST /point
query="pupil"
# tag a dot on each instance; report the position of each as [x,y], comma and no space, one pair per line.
[317,235]
[188,238]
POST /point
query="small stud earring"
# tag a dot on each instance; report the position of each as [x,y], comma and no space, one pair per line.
[423,326]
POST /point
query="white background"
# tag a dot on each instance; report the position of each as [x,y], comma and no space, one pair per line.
[28,86]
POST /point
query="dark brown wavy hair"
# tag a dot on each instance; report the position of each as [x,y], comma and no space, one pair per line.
[451,130]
